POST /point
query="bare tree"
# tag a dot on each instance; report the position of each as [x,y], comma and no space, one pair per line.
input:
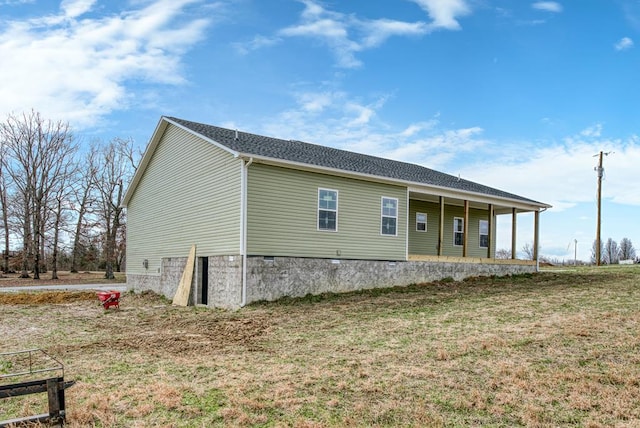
[593,252]
[15,135]
[119,164]
[611,252]
[626,250]
[59,208]
[83,190]
[38,152]
[503,254]
[4,205]
[121,248]
[527,250]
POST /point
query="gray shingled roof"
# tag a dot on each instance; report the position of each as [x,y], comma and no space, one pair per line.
[322,156]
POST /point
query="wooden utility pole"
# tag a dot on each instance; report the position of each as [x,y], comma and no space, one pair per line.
[600,172]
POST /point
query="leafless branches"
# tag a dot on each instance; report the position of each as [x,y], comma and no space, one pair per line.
[48,189]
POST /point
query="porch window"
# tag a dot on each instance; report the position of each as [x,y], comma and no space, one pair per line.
[328,210]
[458,231]
[484,234]
[389,216]
[421,222]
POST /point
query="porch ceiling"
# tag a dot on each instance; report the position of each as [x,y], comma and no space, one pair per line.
[499,207]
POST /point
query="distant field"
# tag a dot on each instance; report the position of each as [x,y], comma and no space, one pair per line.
[559,348]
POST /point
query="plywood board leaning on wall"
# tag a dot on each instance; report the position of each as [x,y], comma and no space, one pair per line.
[184,288]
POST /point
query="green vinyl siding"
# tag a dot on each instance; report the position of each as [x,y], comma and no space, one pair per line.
[282,216]
[424,243]
[473,241]
[189,194]
[473,248]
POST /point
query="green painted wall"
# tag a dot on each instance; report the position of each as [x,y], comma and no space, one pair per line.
[283,213]
[426,243]
[189,194]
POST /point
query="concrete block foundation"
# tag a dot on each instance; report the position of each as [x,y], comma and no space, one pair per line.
[271,278]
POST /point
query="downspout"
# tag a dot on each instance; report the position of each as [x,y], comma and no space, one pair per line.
[243,226]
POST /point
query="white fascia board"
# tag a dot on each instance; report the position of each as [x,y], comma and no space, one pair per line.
[412,186]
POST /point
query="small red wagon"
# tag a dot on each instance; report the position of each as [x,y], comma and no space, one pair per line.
[109,298]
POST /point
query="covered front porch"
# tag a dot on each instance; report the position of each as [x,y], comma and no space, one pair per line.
[462,228]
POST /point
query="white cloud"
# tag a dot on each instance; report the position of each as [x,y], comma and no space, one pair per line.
[258,42]
[14,2]
[415,128]
[316,102]
[549,6]
[376,32]
[623,44]
[79,69]
[439,148]
[563,174]
[346,35]
[330,28]
[75,8]
[335,119]
[444,13]
[592,131]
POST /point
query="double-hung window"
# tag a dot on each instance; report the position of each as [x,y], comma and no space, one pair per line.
[458,231]
[484,234]
[421,222]
[389,224]
[328,210]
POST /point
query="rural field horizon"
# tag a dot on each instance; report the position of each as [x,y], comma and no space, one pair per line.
[557,348]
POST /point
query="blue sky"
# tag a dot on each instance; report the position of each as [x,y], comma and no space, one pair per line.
[519,95]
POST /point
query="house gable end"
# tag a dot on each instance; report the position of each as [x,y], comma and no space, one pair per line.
[159,132]
[189,193]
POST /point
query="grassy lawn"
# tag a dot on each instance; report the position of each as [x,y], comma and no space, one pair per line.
[559,348]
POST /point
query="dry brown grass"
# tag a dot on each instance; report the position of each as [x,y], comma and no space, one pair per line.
[45,297]
[554,349]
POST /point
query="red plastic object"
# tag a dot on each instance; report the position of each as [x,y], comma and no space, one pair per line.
[109,298]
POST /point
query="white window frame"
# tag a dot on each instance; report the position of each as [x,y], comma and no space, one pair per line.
[458,231]
[418,222]
[383,215]
[320,189]
[480,234]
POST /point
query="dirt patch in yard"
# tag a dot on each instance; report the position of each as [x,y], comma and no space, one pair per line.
[160,336]
[46,297]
